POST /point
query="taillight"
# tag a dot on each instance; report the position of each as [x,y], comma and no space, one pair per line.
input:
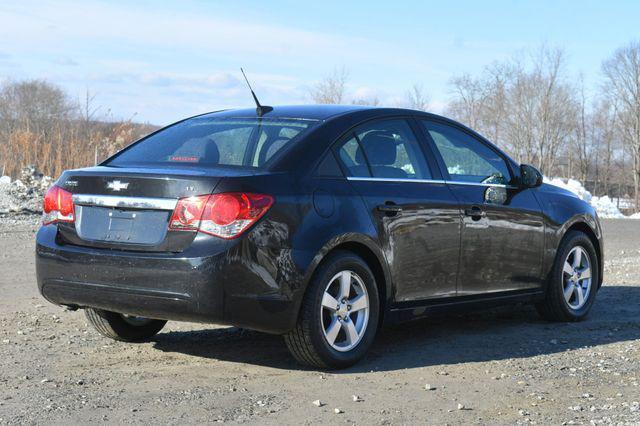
[187,214]
[224,215]
[58,206]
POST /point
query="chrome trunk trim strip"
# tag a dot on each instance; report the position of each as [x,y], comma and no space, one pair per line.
[125,202]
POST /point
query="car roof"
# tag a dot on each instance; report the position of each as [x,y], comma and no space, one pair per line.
[321,112]
[308,112]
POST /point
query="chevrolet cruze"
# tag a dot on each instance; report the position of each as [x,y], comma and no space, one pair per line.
[319,223]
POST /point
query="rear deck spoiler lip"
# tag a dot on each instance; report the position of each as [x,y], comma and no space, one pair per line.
[125,202]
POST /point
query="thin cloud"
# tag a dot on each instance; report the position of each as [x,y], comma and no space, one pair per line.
[65,62]
[164,64]
[100,23]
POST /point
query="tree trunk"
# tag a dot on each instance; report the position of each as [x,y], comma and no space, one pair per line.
[636,189]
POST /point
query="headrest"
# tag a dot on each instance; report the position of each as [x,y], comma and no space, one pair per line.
[380,148]
[270,148]
[211,152]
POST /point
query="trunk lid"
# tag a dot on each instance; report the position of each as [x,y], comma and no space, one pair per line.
[130,208]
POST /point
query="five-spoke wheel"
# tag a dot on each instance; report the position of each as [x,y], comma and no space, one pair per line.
[573,282]
[577,277]
[339,315]
[344,310]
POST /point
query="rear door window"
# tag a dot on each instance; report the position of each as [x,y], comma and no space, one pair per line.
[383,149]
[352,158]
[207,141]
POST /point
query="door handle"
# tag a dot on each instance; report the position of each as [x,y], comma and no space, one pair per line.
[475,212]
[389,208]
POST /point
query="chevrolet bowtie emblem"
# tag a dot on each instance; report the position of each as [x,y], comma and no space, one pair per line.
[116,185]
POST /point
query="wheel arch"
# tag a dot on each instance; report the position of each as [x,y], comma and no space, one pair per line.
[585,228]
[366,248]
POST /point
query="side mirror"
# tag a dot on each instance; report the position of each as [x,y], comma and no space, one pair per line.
[530,177]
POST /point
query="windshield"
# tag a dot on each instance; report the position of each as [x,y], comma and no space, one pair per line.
[207,141]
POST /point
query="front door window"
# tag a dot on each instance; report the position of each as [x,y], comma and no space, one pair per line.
[466,158]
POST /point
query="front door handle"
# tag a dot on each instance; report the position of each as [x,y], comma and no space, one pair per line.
[475,212]
[389,208]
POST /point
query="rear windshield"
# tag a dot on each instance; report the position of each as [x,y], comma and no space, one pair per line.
[206,141]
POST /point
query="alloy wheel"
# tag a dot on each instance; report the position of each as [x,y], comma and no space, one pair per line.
[576,278]
[136,320]
[344,311]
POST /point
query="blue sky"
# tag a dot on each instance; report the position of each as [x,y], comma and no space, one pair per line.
[162,61]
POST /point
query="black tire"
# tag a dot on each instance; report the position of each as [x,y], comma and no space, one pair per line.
[307,341]
[116,327]
[554,307]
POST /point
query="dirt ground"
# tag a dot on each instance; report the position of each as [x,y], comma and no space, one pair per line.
[500,367]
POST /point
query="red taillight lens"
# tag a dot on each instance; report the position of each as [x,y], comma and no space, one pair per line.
[224,215]
[188,212]
[225,208]
[58,206]
[51,200]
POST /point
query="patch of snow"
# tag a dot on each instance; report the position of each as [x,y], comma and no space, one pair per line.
[456,170]
[408,168]
[24,194]
[605,207]
[570,185]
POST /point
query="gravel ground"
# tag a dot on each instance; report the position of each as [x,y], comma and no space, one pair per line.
[500,367]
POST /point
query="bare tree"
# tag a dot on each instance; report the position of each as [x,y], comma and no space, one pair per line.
[583,140]
[481,102]
[622,73]
[88,114]
[34,105]
[531,108]
[544,109]
[605,143]
[416,98]
[528,108]
[331,89]
[468,100]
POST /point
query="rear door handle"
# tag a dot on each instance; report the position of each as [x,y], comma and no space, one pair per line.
[475,212]
[390,209]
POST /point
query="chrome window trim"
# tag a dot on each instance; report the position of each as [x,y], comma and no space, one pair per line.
[438,181]
[498,185]
[372,179]
[125,202]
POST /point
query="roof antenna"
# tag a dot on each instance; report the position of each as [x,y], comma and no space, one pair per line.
[260,109]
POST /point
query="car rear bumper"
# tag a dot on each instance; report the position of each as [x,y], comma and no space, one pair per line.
[224,283]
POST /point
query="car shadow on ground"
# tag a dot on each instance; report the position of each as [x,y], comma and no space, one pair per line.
[509,332]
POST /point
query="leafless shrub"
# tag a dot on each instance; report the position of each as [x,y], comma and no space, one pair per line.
[40,126]
[416,98]
[331,89]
